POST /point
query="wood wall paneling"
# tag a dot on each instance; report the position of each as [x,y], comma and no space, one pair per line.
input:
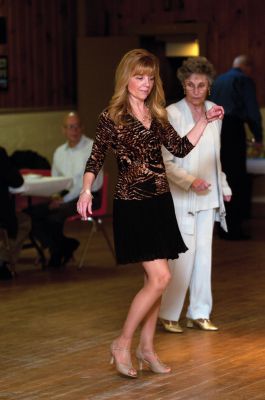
[41,51]
[42,35]
[234,27]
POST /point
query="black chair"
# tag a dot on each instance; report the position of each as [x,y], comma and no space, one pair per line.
[4,244]
[29,159]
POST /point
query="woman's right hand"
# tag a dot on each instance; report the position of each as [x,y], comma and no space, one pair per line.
[84,204]
[200,185]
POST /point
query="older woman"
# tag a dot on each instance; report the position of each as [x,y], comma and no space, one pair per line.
[199,188]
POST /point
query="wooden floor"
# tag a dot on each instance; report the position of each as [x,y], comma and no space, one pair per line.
[56,328]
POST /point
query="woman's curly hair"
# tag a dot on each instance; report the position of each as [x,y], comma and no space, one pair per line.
[196,65]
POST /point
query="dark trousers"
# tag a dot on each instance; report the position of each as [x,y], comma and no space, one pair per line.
[48,224]
[233,159]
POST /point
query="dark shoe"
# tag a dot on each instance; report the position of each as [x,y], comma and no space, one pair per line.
[70,246]
[241,236]
[5,273]
[234,236]
[55,260]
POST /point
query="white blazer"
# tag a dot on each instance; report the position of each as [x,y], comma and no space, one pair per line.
[181,172]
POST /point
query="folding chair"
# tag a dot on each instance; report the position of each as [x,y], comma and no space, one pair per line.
[44,172]
[4,243]
[97,221]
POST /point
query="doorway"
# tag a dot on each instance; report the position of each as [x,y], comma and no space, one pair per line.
[168,67]
[172,44]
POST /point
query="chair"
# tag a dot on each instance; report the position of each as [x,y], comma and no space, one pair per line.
[4,243]
[29,159]
[44,172]
[97,221]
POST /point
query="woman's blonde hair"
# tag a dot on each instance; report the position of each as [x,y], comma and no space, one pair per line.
[196,65]
[137,62]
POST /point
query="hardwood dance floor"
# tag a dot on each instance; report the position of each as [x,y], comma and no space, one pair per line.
[56,328]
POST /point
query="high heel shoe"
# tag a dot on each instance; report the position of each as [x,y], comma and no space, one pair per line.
[201,323]
[124,369]
[155,365]
[171,326]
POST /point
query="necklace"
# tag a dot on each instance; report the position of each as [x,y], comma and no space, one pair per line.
[145,117]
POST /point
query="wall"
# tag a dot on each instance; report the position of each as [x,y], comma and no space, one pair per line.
[39,131]
[41,39]
[234,27]
[41,51]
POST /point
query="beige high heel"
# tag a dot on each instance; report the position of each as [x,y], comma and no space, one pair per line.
[201,323]
[156,365]
[124,369]
[171,326]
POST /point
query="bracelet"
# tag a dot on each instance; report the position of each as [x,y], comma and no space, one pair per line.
[87,191]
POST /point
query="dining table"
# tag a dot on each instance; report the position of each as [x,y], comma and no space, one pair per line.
[256,166]
[42,186]
[256,170]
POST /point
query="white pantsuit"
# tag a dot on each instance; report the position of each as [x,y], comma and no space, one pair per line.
[196,214]
[192,270]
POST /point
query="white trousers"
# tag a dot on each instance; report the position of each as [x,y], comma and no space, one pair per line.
[192,270]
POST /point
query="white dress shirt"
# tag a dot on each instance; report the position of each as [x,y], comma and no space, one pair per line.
[71,161]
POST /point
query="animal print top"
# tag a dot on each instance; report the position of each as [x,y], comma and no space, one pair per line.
[138,152]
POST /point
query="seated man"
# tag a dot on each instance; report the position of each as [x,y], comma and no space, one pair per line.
[17,225]
[48,219]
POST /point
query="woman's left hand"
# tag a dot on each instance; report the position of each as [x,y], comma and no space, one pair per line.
[227,198]
[215,112]
[84,205]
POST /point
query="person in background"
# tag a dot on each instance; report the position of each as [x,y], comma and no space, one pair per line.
[145,228]
[48,219]
[17,225]
[235,91]
[199,188]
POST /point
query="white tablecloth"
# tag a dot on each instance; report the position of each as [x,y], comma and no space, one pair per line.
[36,185]
[256,166]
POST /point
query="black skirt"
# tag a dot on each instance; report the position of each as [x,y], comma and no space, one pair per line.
[146,230]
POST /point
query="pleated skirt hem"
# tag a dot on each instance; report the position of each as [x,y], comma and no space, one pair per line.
[146,230]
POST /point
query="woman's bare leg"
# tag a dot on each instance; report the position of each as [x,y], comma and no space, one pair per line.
[144,307]
[145,349]
[148,328]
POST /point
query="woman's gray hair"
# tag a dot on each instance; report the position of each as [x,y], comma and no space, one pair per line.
[196,65]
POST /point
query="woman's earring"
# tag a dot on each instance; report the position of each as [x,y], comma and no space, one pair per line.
[209,91]
[184,90]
